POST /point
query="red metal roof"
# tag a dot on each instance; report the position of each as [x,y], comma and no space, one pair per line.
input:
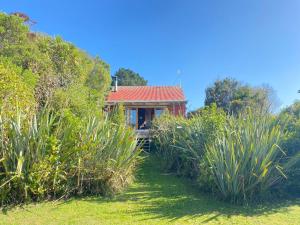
[146,94]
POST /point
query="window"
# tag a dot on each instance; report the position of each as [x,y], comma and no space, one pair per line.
[132,117]
[158,112]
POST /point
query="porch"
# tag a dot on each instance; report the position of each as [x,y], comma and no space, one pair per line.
[140,118]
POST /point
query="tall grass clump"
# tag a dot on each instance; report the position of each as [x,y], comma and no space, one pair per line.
[50,156]
[246,161]
[181,141]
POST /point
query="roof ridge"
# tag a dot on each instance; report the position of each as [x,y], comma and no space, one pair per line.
[164,86]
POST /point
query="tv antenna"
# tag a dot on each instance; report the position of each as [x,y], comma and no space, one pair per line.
[178,76]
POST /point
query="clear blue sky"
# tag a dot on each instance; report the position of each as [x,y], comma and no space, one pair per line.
[255,41]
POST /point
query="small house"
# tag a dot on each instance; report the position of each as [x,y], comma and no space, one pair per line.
[143,103]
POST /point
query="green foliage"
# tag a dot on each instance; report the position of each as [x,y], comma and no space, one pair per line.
[245,161]
[49,65]
[12,30]
[77,99]
[51,156]
[292,117]
[72,151]
[154,198]
[13,34]
[181,142]
[236,157]
[233,97]
[291,143]
[127,77]
[15,94]
[17,44]
[117,116]
[69,67]
[99,78]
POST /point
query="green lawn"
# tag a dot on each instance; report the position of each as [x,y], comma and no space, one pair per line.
[155,198]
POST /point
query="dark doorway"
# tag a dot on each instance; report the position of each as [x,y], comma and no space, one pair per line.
[142,119]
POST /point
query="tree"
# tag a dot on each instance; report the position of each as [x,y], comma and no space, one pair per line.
[50,68]
[127,77]
[232,96]
[99,78]
[24,17]
[222,93]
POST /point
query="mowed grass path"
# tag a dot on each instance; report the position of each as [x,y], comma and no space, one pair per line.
[155,198]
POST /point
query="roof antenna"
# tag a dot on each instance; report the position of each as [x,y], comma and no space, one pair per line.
[178,75]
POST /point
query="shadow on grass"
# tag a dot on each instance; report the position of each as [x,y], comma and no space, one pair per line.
[166,196]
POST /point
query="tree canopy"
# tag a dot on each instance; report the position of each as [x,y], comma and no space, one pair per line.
[232,96]
[127,77]
[50,69]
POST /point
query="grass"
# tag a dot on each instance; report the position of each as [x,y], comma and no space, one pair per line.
[155,198]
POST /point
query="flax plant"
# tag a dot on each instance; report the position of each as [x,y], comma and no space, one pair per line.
[246,160]
[49,156]
[181,141]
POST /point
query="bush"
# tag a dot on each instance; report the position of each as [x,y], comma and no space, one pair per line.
[291,144]
[246,161]
[181,142]
[50,156]
[236,157]
[70,147]
[15,94]
[48,65]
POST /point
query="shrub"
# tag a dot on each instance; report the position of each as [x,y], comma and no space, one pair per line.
[14,92]
[236,157]
[166,131]
[291,144]
[245,162]
[70,149]
[46,64]
[50,156]
[181,142]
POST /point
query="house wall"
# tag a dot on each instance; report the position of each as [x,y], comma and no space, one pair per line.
[177,109]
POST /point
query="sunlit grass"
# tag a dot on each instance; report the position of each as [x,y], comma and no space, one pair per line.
[155,198]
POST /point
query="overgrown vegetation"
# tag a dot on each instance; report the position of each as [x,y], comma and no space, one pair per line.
[154,198]
[55,139]
[47,156]
[239,155]
[49,69]
[291,143]
[181,142]
[239,158]
[246,160]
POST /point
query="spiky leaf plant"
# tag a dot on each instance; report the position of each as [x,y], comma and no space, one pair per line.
[51,157]
[246,161]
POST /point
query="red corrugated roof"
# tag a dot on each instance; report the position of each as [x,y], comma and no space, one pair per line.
[146,93]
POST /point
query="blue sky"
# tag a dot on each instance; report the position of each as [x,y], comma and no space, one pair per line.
[255,41]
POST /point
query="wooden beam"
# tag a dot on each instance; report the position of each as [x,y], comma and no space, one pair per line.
[137,119]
